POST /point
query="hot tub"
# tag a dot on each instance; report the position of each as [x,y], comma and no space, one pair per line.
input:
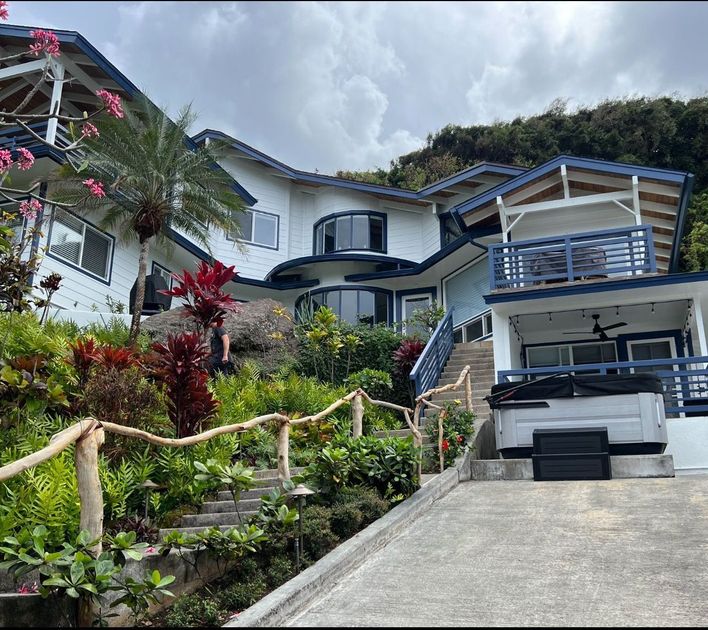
[630,406]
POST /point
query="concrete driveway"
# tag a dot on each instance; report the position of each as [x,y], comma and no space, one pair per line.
[629,552]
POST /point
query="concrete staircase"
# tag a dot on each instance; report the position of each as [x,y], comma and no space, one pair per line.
[479,355]
[222,512]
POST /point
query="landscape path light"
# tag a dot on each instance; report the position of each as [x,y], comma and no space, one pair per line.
[299,492]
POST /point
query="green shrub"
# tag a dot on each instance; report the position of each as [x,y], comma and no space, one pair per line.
[376,383]
[241,595]
[458,428]
[280,570]
[346,520]
[318,537]
[190,611]
[367,500]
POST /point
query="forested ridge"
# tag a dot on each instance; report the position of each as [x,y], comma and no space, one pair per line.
[663,132]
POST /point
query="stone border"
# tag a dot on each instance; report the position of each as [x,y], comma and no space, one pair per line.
[278,607]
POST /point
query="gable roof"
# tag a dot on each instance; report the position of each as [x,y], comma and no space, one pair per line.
[331,180]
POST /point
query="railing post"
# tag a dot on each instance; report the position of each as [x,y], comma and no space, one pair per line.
[357,416]
[89,485]
[569,258]
[284,452]
[492,274]
[441,454]
[650,249]
[468,392]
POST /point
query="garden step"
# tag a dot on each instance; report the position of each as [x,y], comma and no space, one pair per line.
[488,344]
[225,495]
[476,383]
[456,363]
[214,507]
[188,530]
[272,473]
[404,433]
[220,518]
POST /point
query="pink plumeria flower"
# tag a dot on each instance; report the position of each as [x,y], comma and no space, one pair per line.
[27,589]
[4,13]
[45,41]
[150,550]
[29,209]
[26,160]
[89,131]
[111,102]
[5,160]
[95,188]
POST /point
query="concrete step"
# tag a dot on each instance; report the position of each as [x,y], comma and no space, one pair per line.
[220,518]
[460,395]
[622,466]
[225,495]
[188,530]
[272,473]
[217,507]
[457,363]
[476,385]
[488,344]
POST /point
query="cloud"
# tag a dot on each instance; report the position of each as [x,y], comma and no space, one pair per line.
[352,85]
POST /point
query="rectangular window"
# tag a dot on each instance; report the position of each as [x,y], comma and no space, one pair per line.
[75,241]
[329,237]
[578,354]
[164,272]
[376,231]
[360,231]
[344,233]
[258,228]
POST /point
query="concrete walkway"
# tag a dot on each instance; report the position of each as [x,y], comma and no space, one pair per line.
[629,552]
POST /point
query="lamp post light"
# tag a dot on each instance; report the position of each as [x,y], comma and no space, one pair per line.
[299,492]
[148,485]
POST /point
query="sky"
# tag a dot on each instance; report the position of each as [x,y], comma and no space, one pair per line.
[339,85]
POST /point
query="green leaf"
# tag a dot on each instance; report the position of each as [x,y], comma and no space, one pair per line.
[77,572]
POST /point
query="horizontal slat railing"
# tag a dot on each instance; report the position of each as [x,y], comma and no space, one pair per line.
[609,253]
[430,364]
[684,379]
[16,137]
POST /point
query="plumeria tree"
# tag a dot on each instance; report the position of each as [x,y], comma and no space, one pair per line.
[19,263]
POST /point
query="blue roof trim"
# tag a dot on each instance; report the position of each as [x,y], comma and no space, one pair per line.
[307,260]
[467,237]
[618,168]
[278,286]
[681,217]
[633,283]
[477,169]
[74,37]
[188,245]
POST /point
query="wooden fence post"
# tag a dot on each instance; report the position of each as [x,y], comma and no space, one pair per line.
[357,417]
[468,392]
[418,441]
[89,483]
[284,452]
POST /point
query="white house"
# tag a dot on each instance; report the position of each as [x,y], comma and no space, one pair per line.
[569,266]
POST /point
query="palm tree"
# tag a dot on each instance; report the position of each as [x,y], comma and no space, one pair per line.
[154,178]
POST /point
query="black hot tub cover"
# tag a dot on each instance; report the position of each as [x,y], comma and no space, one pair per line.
[570,385]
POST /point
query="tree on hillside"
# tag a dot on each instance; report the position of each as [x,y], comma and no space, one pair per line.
[153,178]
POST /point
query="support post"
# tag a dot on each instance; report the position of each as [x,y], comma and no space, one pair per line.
[55,100]
[284,452]
[418,442]
[441,418]
[468,392]
[357,416]
[89,484]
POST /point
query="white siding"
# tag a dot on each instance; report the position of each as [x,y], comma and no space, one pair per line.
[465,291]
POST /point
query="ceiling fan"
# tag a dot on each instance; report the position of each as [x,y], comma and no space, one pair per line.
[597,329]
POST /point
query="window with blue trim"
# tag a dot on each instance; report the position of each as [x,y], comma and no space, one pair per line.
[80,244]
[356,230]
[356,306]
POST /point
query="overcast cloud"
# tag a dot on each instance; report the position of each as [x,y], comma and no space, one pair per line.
[326,86]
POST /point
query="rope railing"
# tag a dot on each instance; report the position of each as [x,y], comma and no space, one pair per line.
[88,434]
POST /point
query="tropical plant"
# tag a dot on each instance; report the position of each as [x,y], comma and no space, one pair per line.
[178,365]
[423,321]
[376,383]
[154,179]
[405,358]
[236,477]
[458,429]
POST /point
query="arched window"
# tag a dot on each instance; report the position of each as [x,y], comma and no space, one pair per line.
[354,305]
[359,230]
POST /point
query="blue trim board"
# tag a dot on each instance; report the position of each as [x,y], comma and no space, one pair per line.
[352,287]
[337,257]
[616,285]
[467,237]
[63,261]
[477,169]
[398,315]
[277,286]
[192,248]
[681,217]
[369,213]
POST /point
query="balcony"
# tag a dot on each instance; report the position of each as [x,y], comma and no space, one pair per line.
[614,253]
[16,137]
[684,379]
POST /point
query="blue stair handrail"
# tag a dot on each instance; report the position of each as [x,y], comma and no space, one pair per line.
[427,369]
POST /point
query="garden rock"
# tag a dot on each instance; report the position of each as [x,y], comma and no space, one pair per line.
[256,331]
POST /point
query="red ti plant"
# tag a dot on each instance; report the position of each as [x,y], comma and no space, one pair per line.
[178,364]
[404,358]
[84,354]
[112,358]
[203,296]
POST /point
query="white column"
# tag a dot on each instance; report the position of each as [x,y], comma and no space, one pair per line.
[700,327]
[54,103]
[502,342]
